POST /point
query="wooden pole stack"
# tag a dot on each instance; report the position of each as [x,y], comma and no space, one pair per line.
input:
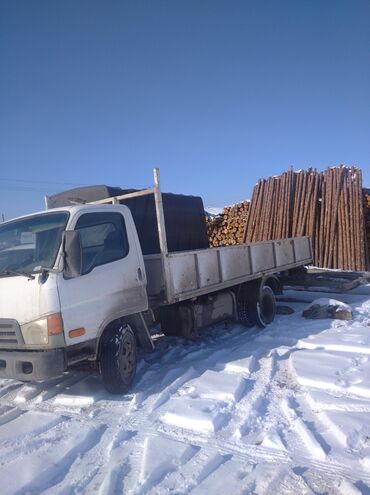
[331,207]
[366,205]
[276,211]
[327,206]
[342,241]
[227,229]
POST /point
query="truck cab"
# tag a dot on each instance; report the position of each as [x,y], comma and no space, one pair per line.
[60,291]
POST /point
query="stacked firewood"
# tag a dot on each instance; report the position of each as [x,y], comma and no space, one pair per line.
[327,206]
[366,197]
[228,228]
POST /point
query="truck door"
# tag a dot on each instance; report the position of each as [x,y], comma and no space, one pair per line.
[112,283]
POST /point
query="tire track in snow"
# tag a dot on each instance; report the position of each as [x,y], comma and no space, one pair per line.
[274,380]
[255,404]
[37,394]
[256,453]
[112,460]
[112,450]
[326,467]
[8,414]
[36,441]
[248,455]
[54,474]
[9,388]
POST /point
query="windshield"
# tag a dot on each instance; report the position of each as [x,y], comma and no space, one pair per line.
[31,243]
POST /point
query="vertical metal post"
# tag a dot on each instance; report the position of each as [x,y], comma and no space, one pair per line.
[46,201]
[162,233]
[160,214]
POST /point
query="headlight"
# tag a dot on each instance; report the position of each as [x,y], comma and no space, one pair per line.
[37,332]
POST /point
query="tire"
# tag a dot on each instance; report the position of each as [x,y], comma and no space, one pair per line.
[264,310]
[244,314]
[246,301]
[118,357]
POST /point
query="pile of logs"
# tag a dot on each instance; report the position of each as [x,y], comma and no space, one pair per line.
[331,207]
[284,206]
[228,228]
[366,197]
[327,206]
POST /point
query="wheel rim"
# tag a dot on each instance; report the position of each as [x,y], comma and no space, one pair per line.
[128,358]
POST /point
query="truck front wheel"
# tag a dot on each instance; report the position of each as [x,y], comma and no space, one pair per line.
[118,356]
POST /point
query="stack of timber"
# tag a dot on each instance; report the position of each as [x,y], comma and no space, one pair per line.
[327,206]
[366,197]
[227,229]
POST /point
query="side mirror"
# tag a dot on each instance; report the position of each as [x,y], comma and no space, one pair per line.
[72,251]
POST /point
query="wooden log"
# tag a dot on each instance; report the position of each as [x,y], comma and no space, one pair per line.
[361,223]
[251,214]
[353,220]
[327,218]
[318,225]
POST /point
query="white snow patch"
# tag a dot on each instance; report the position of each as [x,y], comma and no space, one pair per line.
[33,423]
[244,365]
[272,440]
[74,400]
[161,456]
[202,415]
[215,385]
[346,488]
[338,372]
[304,432]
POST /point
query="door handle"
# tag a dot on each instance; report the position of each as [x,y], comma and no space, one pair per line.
[139,274]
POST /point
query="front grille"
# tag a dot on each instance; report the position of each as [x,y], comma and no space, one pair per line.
[9,333]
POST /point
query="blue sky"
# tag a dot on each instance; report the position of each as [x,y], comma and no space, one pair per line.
[215,93]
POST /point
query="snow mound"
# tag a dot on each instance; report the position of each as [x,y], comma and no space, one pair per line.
[328,308]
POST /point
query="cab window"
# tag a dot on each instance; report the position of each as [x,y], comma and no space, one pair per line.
[103,239]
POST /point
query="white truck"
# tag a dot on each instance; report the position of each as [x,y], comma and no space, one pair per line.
[75,287]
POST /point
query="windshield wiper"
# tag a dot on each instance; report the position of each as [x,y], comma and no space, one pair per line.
[13,272]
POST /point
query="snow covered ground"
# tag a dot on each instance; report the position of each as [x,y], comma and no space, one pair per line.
[283,410]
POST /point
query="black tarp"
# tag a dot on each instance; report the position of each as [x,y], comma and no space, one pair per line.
[184,216]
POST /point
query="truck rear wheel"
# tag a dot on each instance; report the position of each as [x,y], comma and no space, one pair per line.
[256,305]
[264,310]
[118,356]
[244,314]
[245,305]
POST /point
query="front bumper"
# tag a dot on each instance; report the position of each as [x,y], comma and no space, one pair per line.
[32,365]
